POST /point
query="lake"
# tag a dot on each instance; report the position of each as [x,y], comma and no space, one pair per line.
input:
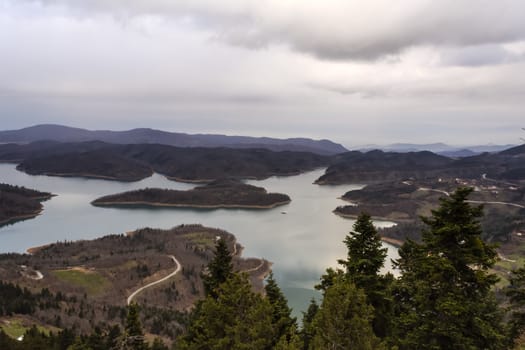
[301,238]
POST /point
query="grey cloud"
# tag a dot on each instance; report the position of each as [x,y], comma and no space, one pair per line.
[498,84]
[339,29]
[482,55]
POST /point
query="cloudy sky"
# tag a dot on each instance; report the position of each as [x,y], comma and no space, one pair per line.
[354,71]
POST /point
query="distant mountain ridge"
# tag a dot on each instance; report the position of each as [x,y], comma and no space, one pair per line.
[438,148]
[62,133]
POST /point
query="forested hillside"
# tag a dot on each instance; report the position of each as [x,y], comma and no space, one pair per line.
[18,203]
[222,193]
[134,162]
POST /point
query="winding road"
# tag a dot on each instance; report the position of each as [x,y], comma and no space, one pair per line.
[502,203]
[474,202]
[253,269]
[134,294]
[434,190]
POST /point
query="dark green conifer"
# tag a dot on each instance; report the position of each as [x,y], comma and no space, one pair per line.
[134,335]
[219,269]
[284,324]
[365,258]
[366,255]
[308,330]
[443,297]
[344,320]
[237,318]
[516,294]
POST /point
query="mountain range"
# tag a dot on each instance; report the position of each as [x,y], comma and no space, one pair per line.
[60,133]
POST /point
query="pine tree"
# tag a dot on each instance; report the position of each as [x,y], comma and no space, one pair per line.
[113,336]
[219,269]
[366,256]
[237,318]
[443,298]
[344,320]
[516,294]
[134,336]
[327,280]
[284,324]
[308,330]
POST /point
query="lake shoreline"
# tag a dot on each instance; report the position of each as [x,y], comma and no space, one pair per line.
[378,218]
[17,218]
[392,241]
[85,176]
[139,204]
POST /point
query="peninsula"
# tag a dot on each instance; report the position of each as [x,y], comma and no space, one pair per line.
[224,193]
[81,283]
[403,202]
[138,161]
[19,203]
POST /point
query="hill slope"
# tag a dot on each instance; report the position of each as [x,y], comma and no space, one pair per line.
[134,162]
[223,193]
[17,203]
[379,166]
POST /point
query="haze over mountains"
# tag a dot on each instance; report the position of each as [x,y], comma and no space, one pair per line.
[438,148]
[60,133]
[145,135]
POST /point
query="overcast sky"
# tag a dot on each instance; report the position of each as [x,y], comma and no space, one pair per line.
[356,72]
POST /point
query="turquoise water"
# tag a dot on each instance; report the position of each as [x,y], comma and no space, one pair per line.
[302,238]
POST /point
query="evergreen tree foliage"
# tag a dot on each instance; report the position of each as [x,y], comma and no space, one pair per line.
[134,336]
[219,269]
[36,340]
[366,256]
[516,294]
[344,320]
[113,336]
[308,330]
[95,341]
[443,298]
[292,341]
[328,279]
[7,343]
[158,345]
[284,324]
[237,318]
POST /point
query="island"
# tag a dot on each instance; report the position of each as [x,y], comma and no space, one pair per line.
[19,203]
[224,193]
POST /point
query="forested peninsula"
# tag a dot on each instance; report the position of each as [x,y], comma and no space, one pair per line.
[18,203]
[224,193]
[137,161]
[78,286]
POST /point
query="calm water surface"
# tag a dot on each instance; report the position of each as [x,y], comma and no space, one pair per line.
[301,243]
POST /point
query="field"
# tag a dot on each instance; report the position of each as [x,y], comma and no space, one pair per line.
[91,281]
[17,326]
